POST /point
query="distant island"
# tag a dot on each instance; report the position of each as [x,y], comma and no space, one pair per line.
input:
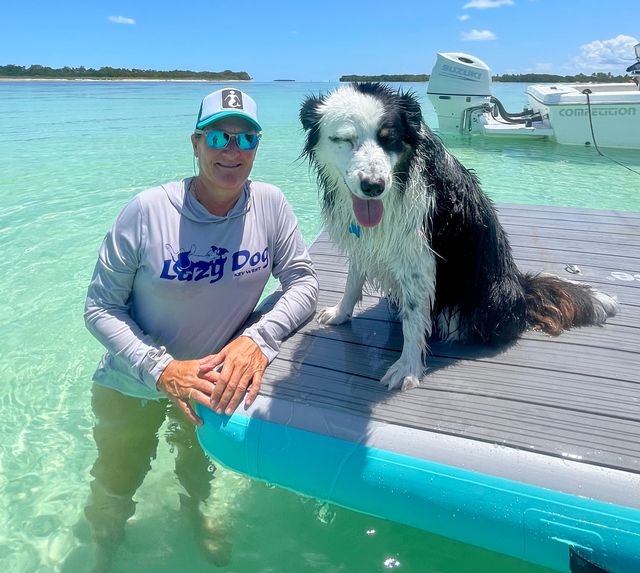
[37,72]
[599,77]
[386,78]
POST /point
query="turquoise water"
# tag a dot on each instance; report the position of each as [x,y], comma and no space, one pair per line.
[71,155]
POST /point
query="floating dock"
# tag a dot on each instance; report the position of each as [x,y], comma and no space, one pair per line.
[531,450]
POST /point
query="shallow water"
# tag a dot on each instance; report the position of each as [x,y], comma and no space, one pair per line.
[71,155]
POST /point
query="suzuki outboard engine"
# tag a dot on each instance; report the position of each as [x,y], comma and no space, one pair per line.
[460,92]
[459,83]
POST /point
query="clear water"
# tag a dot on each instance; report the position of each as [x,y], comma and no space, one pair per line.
[71,155]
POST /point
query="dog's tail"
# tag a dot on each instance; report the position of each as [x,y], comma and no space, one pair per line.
[555,304]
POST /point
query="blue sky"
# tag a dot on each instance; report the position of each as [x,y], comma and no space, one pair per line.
[323,39]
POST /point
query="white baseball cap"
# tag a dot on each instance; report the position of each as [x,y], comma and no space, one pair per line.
[227,102]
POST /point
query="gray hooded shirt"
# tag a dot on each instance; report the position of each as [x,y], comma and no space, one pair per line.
[174,281]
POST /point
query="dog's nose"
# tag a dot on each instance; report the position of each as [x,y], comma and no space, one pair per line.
[372,187]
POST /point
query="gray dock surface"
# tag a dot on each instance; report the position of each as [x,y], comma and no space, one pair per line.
[575,397]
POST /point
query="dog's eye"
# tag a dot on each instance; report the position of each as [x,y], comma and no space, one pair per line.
[340,140]
[390,139]
[386,135]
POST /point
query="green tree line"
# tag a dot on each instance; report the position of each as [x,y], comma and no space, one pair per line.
[386,78]
[44,72]
[599,77]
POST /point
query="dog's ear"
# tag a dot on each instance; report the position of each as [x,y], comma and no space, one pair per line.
[310,112]
[412,110]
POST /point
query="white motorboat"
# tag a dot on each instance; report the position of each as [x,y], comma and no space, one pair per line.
[605,115]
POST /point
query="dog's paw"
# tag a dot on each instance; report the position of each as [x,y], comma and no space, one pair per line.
[401,375]
[332,315]
[410,382]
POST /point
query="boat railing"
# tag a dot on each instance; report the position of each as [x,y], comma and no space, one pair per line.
[606,88]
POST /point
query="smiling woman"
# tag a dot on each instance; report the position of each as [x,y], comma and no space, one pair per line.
[178,275]
[225,158]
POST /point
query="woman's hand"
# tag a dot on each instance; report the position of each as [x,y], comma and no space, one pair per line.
[243,365]
[181,381]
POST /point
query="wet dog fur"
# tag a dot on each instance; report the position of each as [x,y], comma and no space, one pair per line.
[417,227]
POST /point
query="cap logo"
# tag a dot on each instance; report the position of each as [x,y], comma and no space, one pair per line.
[232,99]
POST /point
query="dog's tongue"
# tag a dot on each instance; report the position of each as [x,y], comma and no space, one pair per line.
[368,212]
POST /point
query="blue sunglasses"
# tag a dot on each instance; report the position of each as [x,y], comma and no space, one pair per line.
[218,139]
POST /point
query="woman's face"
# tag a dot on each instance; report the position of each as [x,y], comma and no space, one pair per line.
[224,171]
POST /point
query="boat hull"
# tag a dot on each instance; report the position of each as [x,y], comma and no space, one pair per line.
[602,115]
[609,119]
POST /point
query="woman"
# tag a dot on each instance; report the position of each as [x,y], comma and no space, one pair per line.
[177,276]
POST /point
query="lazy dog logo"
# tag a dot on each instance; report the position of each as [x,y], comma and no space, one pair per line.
[189,266]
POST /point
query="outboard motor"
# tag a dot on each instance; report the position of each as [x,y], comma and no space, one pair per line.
[634,69]
[460,91]
[459,83]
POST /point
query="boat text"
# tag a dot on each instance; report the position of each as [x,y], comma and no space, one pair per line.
[609,111]
[461,71]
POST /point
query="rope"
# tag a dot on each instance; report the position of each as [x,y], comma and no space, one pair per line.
[586,92]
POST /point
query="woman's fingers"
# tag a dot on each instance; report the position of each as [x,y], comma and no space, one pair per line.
[234,393]
[199,396]
[230,387]
[189,412]
[181,382]
[254,390]
[223,385]
[204,382]
[209,363]
[223,378]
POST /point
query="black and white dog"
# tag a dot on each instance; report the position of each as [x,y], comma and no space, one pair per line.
[416,226]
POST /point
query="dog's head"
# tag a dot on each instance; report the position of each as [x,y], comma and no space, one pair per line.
[361,136]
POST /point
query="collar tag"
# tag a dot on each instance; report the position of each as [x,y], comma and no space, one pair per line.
[355,229]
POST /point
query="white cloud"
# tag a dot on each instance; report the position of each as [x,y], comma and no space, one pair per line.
[121,20]
[478,35]
[464,17]
[605,55]
[484,4]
